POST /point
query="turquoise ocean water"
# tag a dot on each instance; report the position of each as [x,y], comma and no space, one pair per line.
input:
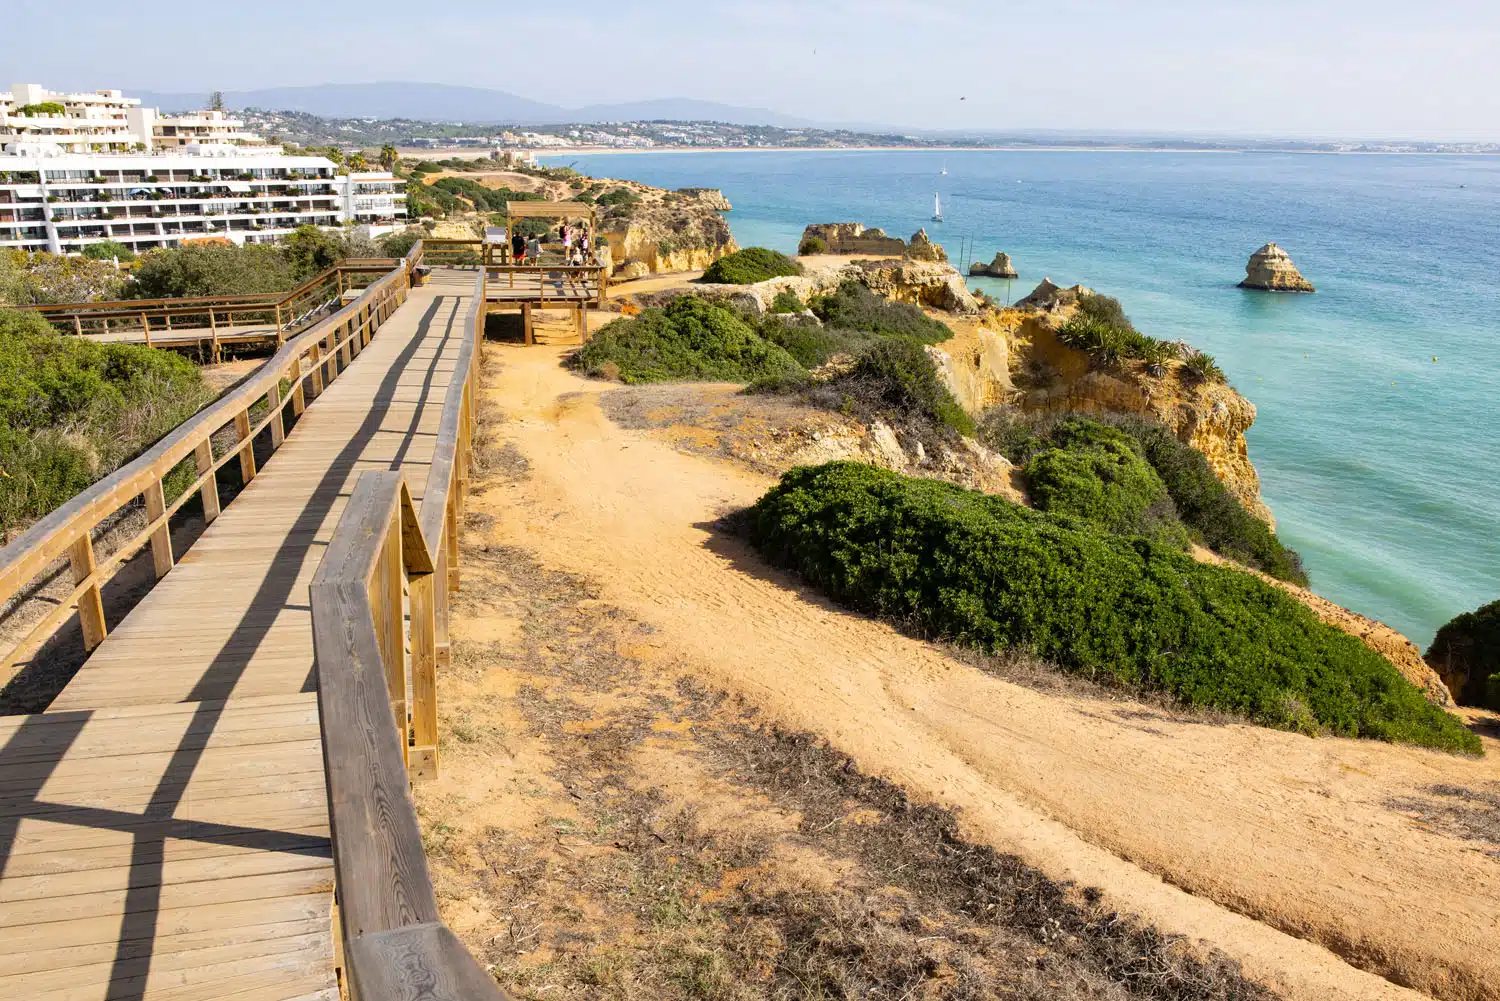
[1381,464]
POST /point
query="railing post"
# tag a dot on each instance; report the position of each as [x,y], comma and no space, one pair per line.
[90,603]
[146,328]
[279,335]
[247,446]
[161,538]
[299,395]
[278,427]
[422,765]
[315,359]
[203,457]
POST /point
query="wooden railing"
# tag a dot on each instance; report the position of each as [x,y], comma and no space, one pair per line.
[378,711]
[290,379]
[281,312]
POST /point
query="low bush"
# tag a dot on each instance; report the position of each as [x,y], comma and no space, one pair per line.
[690,339]
[1097,475]
[811,245]
[786,301]
[815,346]
[894,378]
[978,570]
[854,307]
[38,278]
[108,250]
[1211,514]
[1469,645]
[751,265]
[213,270]
[72,410]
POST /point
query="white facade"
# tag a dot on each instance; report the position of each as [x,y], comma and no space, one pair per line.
[60,203]
[107,169]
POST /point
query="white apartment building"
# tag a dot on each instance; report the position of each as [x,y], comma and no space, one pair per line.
[108,170]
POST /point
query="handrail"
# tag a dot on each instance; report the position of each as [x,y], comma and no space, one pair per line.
[375,740]
[306,362]
[362,265]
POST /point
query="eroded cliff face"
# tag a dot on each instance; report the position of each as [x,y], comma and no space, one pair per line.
[667,231]
[1211,417]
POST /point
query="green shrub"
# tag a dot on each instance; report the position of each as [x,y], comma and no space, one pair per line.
[1212,515]
[815,346]
[72,410]
[399,243]
[751,265]
[981,571]
[108,250]
[786,301]
[1469,646]
[1099,476]
[895,378]
[690,339]
[212,270]
[854,307]
[620,198]
[811,245]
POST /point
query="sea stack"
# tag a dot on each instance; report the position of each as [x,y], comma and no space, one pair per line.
[921,248]
[1000,267]
[1271,269]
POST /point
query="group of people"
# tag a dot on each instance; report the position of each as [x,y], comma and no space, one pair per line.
[578,247]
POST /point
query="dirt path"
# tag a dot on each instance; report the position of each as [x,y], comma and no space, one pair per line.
[1273,847]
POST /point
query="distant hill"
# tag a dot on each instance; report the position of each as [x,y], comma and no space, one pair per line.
[445,103]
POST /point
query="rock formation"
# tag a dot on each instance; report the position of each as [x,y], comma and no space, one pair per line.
[1049,297]
[711,198]
[1000,267]
[631,270]
[851,238]
[668,231]
[1271,269]
[938,286]
[923,249]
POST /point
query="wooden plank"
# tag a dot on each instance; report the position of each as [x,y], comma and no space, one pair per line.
[90,603]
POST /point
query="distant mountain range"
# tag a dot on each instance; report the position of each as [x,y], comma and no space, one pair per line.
[444,103]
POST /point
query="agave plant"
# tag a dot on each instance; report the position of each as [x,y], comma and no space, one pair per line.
[1202,367]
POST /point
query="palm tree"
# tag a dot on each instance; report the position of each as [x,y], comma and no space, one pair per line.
[389,157]
[357,162]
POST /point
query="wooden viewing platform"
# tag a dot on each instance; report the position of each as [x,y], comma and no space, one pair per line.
[179,822]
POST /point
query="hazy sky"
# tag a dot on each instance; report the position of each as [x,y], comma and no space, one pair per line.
[1318,67]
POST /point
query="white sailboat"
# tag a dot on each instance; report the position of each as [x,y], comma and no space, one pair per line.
[937,208]
[945,168]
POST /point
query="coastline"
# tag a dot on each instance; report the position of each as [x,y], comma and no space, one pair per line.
[610,151]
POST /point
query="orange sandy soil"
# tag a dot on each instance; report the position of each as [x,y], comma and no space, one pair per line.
[1329,868]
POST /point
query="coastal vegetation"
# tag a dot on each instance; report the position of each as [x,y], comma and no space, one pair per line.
[72,410]
[1208,512]
[230,269]
[786,301]
[852,306]
[38,278]
[1468,647]
[894,380]
[981,571]
[689,339]
[749,266]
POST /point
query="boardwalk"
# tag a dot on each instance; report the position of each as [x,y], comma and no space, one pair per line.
[164,831]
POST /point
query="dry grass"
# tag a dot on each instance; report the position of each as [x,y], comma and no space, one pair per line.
[608,829]
[1470,814]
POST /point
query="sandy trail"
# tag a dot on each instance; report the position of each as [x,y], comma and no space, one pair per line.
[1273,847]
